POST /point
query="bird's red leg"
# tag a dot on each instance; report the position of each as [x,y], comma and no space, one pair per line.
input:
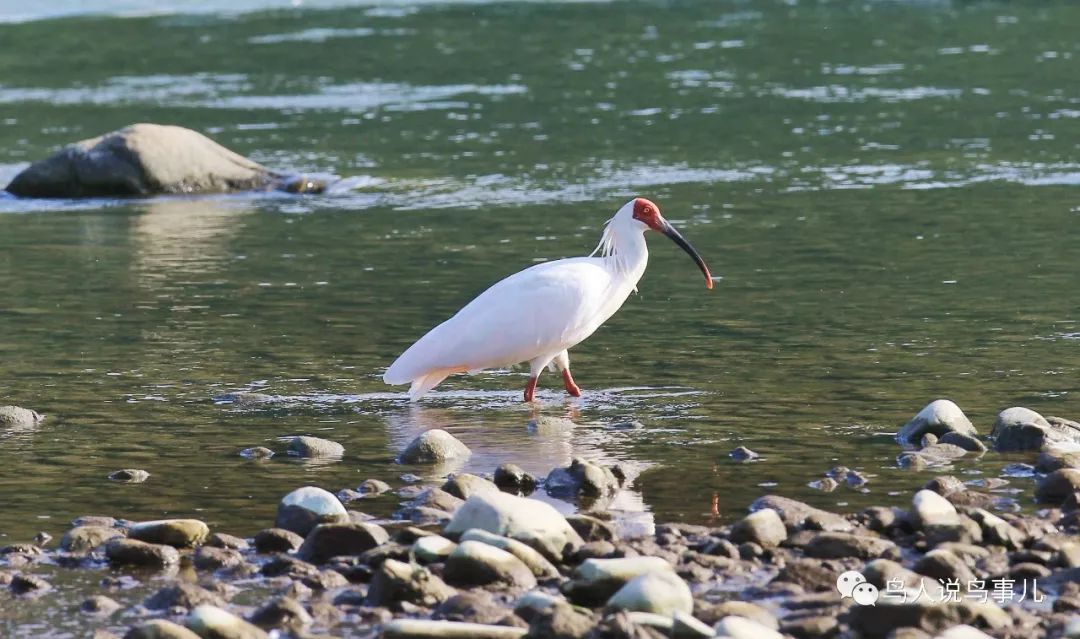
[530,389]
[571,387]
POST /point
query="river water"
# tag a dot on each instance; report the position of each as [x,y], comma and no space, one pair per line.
[888,191]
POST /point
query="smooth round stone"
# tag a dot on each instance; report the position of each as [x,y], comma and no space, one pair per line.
[937,418]
[662,593]
[433,446]
[139,553]
[305,446]
[928,509]
[99,606]
[373,487]
[432,549]
[213,622]
[82,539]
[474,563]
[306,507]
[530,521]
[743,628]
[764,528]
[181,533]
[160,629]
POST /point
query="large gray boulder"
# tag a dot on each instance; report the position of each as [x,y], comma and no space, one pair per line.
[939,417]
[141,159]
[1019,428]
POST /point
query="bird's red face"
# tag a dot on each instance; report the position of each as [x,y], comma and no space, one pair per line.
[648,213]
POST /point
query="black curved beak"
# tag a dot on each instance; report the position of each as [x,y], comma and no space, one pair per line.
[667,229]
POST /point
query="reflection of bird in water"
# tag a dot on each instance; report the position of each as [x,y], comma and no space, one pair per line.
[536,315]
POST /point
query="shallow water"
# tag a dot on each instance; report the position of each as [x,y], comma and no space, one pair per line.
[887,190]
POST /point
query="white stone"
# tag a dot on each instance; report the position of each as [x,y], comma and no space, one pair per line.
[662,593]
[530,521]
[432,548]
[211,621]
[931,509]
[743,628]
[316,500]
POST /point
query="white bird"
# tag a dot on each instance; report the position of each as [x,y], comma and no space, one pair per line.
[539,313]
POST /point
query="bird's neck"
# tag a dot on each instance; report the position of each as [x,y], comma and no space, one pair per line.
[624,252]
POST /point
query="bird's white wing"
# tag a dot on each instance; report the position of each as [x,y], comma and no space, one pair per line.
[541,310]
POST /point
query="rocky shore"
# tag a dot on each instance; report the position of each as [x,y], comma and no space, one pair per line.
[478,557]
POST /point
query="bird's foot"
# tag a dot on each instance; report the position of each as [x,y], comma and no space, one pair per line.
[530,389]
[571,387]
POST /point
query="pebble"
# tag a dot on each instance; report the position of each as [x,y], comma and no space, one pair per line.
[833,545]
[83,539]
[1057,486]
[596,580]
[465,485]
[182,595]
[1019,428]
[425,629]
[432,549]
[373,487]
[537,563]
[160,629]
[548,426]
[396,581]
[99,606]
[582,479]
[306,507]
[743,628]
[930,509]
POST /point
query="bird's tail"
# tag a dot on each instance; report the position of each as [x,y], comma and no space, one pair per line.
[426,382]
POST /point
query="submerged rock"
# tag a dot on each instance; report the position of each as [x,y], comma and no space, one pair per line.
[18,417]
[742,454]
[141,159]
[939,417]
[513,478]
[314,447]
[257,452]
[1020,428]
[464,485]
[433,446]
[99,606]
[582,479]
[129,475]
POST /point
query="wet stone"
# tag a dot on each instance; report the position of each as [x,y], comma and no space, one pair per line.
[99,606]
[211,558]
[160,629]
[831,545]
[129,475]
[939,417]
[281,613]
[474,606]
[139,553]
[596,580]
[18,417]
[329,540]
[83,539]
[271,540]
[474,563]
[1058,486]
[28,585]
[180,533]
[314,447]
[1019,428]
[214,623]
[512,478]
[396,581]
[743,454]
[257,452]
[743,628]
[433,446]
[182,595]
[582,479]
[795,513]
[373,487]
[530,521]
[224,540]
[763,527]
[307,507]
[592,528]
[464,485]
[662,593]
